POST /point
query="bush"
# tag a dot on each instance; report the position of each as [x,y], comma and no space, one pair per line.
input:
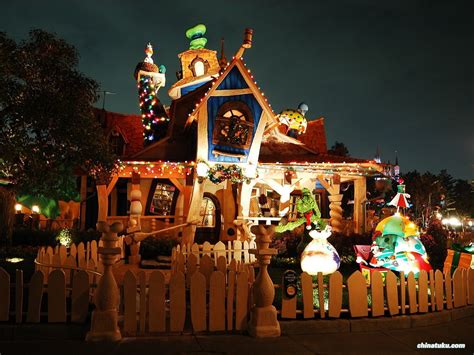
[152,247]
[287,242]
[23,236]
[344,245]
[435,242]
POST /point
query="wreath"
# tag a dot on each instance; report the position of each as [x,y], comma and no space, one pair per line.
[219,173]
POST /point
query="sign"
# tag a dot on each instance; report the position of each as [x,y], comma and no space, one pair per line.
[290,287]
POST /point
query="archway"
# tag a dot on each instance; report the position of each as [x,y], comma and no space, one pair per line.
[209,227]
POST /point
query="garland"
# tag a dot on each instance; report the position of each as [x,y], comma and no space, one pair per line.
[219,173]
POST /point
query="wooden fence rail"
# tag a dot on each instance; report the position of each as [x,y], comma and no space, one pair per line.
[60,297]
[213,300]
[432,291]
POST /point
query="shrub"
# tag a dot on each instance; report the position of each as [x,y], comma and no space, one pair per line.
[152,247]
[344,245]
[22,236]
[435,242]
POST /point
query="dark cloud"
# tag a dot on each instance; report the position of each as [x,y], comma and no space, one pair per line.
[395,74]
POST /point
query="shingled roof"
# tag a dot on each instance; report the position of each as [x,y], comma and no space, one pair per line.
[272,151]
[128,125]
[315,136]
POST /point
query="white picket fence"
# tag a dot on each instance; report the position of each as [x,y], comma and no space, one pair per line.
[431,292]
[76,257]
[66,302]
[235,250]
[213,300]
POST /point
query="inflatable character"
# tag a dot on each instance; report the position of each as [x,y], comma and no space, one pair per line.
[320,255]
[396,246]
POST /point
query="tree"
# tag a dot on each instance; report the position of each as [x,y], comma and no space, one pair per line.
[47,126]
[463,196]
[339,149]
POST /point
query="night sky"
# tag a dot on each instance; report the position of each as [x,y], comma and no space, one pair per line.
[393,74]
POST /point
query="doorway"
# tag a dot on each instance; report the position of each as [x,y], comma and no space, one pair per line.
[209,226]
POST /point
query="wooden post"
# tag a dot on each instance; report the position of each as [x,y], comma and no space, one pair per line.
[335,199]
[102,199]
[134,224]
[104,323]
[83,201]
[359,205]
[263,316]
[194,210]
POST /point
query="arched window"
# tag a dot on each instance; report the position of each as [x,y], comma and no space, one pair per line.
[207,213]
[199,66]
[116,142]
[234,125]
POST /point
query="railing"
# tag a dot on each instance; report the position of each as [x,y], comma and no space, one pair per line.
[235,250]
[150,223]
[82,257]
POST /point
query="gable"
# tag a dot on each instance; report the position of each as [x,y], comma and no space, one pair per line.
[233,80]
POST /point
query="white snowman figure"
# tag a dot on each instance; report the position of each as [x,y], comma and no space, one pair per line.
[319,255]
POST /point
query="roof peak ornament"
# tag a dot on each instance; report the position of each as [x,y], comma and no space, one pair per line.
[196,36]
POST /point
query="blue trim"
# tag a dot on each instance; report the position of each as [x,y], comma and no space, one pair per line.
[187,89]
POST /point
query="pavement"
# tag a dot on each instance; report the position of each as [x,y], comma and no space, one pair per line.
[300,340]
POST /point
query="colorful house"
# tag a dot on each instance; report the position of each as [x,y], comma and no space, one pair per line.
[225,156]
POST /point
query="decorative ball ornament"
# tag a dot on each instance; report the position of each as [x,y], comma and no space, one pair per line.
[320,255]
[295,122]
[136,204]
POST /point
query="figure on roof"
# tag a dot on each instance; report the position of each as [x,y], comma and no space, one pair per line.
[294,120]
[150,78]
[195,35]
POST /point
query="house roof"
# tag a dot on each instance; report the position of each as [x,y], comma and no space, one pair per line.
[128,125]
[288,152]
[315,136]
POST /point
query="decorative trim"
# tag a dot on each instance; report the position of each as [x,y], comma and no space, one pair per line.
[232,92]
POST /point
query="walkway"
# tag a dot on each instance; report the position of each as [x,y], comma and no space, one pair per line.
[405,340]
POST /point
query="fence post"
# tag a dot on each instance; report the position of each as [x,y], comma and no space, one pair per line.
[104,324]
[263,316]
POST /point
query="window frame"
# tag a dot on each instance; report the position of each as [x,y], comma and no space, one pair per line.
[221,121]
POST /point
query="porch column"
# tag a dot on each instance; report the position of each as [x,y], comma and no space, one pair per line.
[243,197]
[193,214]
[335,199]
[359,204]
[134,224]
[103,201]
